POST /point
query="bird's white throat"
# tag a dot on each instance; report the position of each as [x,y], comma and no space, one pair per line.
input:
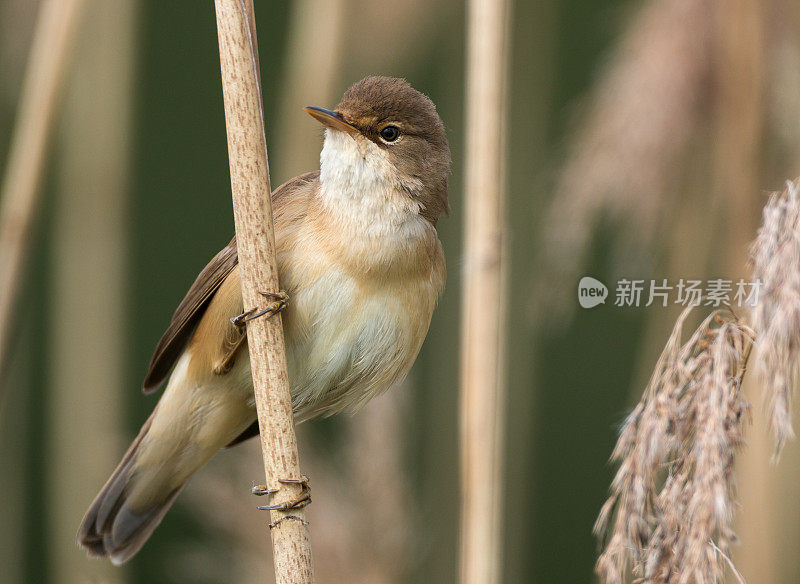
[364,189]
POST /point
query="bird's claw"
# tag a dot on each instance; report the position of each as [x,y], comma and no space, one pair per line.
[298,502]
[282,298]
[275,524]
[263,490]
[280,301]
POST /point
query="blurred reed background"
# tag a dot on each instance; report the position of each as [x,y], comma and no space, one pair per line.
[642,135]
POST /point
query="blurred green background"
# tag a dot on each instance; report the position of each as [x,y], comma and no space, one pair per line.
[641,137]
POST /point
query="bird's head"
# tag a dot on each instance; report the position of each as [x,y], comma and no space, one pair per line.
[385,132]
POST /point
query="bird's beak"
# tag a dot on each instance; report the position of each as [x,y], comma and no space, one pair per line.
[331,119]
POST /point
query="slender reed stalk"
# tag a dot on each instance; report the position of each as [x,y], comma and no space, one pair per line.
[315,51]
[247,152]
[483,306]
[53,40]
[89,232]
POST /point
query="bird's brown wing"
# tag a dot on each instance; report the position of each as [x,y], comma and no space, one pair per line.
[187,315]
[194,304]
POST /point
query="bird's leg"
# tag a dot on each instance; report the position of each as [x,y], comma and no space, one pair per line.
[280,301]
[240,322]
[225,364]
[300,501]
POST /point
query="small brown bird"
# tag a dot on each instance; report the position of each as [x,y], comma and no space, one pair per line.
[360,260]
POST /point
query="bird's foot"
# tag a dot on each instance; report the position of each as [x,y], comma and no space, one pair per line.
[280,299]
[298,502]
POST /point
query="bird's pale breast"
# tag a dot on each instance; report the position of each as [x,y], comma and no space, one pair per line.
[353,329]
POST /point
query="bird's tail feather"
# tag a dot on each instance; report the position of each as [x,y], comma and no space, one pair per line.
[110,527]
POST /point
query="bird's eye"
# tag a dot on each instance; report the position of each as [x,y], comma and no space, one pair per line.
[390,133]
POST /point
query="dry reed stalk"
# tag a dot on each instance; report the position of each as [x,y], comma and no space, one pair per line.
[314,57]
[636,130]
[247,152]
[89,273]
[670,512]
[483,306]
[48,62]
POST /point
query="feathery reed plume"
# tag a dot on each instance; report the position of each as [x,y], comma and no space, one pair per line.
[670,512]
[775,259]
[637,128]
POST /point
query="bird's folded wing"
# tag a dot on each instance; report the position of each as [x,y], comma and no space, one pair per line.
[288,201]
[188,314]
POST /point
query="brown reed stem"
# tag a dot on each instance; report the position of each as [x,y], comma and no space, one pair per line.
[247,152]
[53,39]
[483,306]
